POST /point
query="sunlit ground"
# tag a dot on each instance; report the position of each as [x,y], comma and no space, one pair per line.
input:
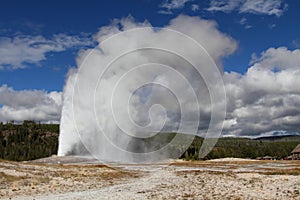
[216,179]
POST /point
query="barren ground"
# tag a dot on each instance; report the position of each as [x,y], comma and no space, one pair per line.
[65,178]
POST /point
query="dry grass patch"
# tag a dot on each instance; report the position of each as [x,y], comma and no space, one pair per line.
[198,172]
[9,178]
[235,164]
[194,164]
[273,171]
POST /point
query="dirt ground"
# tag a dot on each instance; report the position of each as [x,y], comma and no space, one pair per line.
[74,178]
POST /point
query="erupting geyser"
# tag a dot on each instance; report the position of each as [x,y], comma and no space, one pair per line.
[141,81]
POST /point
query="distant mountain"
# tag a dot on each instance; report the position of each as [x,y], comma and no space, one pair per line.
[285,138]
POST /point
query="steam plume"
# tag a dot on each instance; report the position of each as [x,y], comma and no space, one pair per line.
[142,80]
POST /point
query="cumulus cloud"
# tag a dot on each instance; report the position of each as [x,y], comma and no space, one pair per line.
[34,105]
[277,58]
[19,51]
[266,98]
[170,5]
[266,7]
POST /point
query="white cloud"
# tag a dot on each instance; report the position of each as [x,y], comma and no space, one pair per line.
[248,26]
[266,7]
[34,105]
[280,58]
[195,7]
[224,6]
[170,5]
[19,51]
[165,12]
[244,22]
[267,97]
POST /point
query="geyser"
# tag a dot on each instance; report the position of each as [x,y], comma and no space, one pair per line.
[140,81]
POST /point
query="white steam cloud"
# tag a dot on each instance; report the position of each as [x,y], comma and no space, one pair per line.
[143,81]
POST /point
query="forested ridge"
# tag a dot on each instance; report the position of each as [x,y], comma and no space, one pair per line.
[31,140]
[28,141]
[279,148]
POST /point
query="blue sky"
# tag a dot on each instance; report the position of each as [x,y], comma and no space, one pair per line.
[40,41]
[46,18]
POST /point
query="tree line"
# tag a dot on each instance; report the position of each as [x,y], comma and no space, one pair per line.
[28,141]
[31,140]
[244,148]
